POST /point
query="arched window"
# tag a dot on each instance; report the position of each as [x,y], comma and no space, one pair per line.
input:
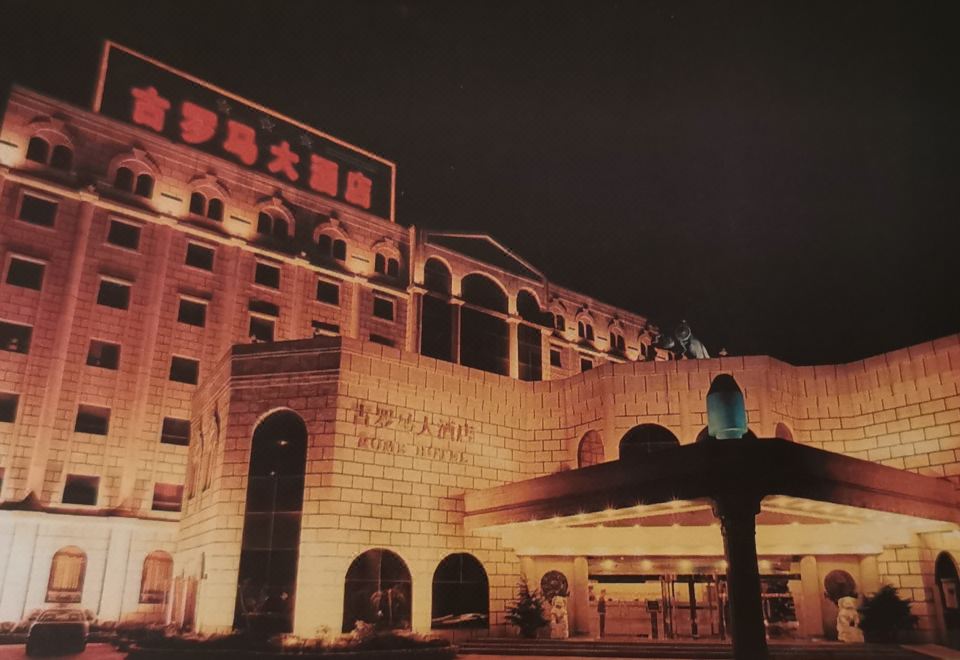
[461,593]
[377,590]
[783,431]
[38,150]
[269,224]
[646,439]
[380,264]
[590,450]
[156,578]
[585,330]
[269,551]
[560,323]
[484,338]
[144,186]
[211,208]
[67,571]
[62,158]
[331,246]
[386,265]
[123,180]
[437,277]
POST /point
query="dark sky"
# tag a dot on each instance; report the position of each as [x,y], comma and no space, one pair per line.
[782,175]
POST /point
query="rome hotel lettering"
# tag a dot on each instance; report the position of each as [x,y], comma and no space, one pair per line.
[138,90]
[422,429]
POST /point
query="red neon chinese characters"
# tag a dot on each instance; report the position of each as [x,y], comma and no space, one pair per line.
[323,175]
[198,125]
[284,160]
[149,108]
[358,190]
[241,142]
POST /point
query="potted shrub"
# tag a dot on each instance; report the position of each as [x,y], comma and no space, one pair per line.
[883,616]
[527,611]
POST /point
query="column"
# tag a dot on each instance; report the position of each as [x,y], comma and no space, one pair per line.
[527,572]
[455,305]
[869,575]
[414,320]
[354,331]
[13,590]
[513,325]
[580,597]
[40,445]
[737,513]
[115,575]
[811,617]
[545,365]
[422,613]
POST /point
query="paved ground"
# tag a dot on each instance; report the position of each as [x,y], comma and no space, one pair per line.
[93,652]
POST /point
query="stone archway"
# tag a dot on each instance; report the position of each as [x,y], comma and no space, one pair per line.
[948,598]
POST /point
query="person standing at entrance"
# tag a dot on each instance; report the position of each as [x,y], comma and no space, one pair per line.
[602,610]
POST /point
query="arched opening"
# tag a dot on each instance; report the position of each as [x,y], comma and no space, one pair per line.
[437,277]
[948,586]
[590,451]
[215,209]
[156,578]
[461,593]
[645,439]
[529,337]
[123,180]
[198,203]
[783,431]
[67,570]
[377,590]
[436,314]
[144,186]
[62,157]
[38,150]
[269,552]
[484,339]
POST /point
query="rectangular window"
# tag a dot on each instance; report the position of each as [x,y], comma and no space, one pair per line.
[15,337]
[267,275]
[81,489]
[103,354]
[586,364]
[328,292]
[175,431]
[261,328]
[25,272]
[37,211]
[383,341]
[167,497]
[123,234]
[199,256]
[8,407]
[192,312]
[555,360]
[383,308]
[326,329]
[184,370]
[114,293]
[92,419]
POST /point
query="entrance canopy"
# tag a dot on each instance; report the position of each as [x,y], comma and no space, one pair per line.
[813,501]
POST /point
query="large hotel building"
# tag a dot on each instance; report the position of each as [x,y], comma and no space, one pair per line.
[236,392]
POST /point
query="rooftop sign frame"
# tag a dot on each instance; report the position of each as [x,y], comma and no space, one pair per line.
[140,90]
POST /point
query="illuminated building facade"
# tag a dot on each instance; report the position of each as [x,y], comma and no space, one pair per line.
[236,392]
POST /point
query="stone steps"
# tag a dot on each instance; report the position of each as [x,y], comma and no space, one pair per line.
[677,649]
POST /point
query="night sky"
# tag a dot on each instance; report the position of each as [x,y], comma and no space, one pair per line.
[782,175]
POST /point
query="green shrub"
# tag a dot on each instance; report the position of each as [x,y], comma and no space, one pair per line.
[526,612]
[883,616]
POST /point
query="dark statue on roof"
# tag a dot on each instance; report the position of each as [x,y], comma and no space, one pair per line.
[683,344]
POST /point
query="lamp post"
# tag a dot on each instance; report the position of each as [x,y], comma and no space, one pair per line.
[737,509]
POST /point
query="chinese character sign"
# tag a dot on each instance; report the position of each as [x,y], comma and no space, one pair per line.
[156,98]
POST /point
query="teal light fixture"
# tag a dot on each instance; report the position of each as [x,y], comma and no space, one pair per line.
[726,410]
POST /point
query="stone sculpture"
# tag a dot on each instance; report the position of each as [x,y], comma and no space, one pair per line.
[848,620]
[559,624]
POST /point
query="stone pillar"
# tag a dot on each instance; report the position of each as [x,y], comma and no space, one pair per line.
[580,597]
[115,575]
[50,405]
[414,320]
[513,326]
[545,366]
[737,513]
[13,591]
[869,575]
[455,305]
[422,613]
[811,616]
[354,330]
[527,572]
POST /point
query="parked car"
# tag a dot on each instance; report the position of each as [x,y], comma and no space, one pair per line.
[58,631]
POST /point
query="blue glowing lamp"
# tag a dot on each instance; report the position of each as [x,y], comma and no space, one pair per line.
[726,411]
